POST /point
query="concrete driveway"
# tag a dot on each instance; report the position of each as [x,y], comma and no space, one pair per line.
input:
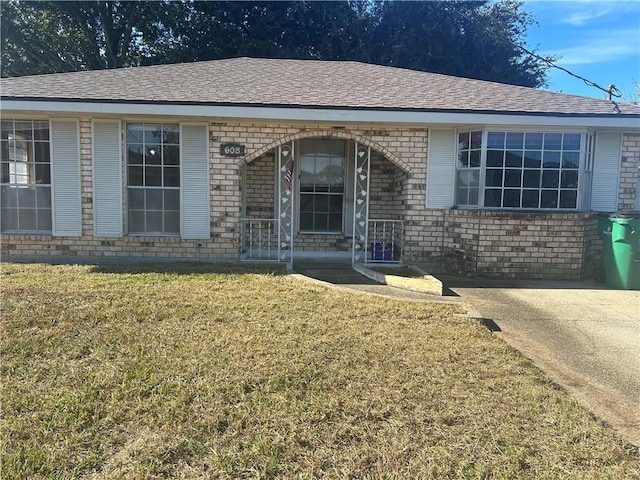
[583,334]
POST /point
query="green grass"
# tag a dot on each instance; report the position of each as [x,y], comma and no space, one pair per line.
[201,371]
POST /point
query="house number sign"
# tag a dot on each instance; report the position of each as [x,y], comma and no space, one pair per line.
[231,149]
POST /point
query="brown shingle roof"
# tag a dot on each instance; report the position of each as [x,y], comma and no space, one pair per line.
[305,83]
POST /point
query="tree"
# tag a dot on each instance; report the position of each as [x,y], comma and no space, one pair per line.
[47,37]
[29,34]
[476,39]
[464,38]
[633,97]
[300,29]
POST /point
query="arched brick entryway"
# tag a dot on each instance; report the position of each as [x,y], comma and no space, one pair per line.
[374,187]
[328,134]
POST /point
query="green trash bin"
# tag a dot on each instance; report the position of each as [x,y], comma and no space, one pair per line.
[621,259]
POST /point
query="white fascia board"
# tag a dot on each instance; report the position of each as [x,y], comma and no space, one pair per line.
[318,114]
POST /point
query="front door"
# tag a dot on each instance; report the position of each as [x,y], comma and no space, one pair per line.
[323,191]
[322,186]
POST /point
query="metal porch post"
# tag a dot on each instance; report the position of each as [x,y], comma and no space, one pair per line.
[361,203]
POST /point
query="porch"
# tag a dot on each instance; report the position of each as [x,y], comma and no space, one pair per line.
[323,199]
[260,242]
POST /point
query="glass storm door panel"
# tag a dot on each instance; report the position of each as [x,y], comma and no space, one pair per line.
[322,177]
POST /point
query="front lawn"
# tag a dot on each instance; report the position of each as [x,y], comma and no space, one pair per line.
[206,371]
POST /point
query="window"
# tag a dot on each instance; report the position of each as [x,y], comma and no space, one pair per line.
[586,173]
[527,170]
[153,178]
[25,160]
[468,168]
[322,173]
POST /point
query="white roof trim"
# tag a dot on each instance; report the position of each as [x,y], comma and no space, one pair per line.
[318,114]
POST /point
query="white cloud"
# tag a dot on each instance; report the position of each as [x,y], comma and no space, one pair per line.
[581,18]
[600,47]
[580,13]
[599,40]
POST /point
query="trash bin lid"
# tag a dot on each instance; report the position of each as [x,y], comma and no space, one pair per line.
[620,219]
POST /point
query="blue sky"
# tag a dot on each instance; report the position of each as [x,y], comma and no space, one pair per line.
[597,39]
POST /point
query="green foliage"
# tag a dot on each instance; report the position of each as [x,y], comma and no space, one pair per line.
[29,32]
[49,37]
[463,38]
[475,39]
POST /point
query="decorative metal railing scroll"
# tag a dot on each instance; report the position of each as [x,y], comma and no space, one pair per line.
[285,202]
[361,203]
[259,239]
[387,241]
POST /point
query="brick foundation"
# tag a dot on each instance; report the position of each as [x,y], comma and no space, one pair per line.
[517,245]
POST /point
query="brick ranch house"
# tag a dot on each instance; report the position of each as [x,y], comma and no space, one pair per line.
[266,159]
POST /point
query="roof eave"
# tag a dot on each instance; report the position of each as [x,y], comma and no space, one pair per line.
[308,113]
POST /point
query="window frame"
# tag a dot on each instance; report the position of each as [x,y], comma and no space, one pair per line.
[148,188]
[479,169]
[329,194]
[582,170]
[32,183]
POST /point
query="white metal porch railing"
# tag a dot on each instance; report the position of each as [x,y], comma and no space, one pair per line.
[259,239]
[386,241]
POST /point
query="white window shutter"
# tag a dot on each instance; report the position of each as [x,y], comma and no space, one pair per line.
[441,168]
[606,171]
[194,181]
[65,178]
[107,178]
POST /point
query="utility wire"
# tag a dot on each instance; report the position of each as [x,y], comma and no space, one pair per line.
[611,91]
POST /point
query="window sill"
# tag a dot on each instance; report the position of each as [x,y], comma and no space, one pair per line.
[153,235]
[522,210]
[497,212]
[17,233]
[315,232]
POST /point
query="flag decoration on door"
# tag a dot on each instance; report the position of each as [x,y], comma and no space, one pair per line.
[288,177]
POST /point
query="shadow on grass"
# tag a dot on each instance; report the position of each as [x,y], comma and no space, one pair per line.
[189,268]
[151,265]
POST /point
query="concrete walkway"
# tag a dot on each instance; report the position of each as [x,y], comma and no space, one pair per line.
[340,274]
[583,334]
